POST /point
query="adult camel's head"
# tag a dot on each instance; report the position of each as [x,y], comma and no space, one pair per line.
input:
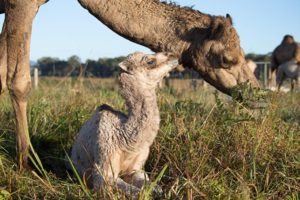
[216,54]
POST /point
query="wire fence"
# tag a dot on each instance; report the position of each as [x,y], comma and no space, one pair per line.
[262,73]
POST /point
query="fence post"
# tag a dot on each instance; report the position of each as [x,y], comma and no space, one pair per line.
[36,78]
[266,74]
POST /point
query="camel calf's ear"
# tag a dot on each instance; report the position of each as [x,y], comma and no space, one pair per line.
[125,65]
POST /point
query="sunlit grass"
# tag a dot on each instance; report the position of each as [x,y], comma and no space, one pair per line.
[214,147]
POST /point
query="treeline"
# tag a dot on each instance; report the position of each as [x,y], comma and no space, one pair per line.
[259,57]
[104,67]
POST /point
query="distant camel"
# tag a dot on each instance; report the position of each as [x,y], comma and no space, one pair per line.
[288,50]
[209,44]
[112,144]
[290,70]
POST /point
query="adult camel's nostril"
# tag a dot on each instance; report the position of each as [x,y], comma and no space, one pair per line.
[173,62]
[168,54]
[171,56]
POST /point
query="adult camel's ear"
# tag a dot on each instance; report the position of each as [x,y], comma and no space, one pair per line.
[41,2]
[229,19]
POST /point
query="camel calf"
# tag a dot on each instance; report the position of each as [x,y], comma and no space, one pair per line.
[112,147]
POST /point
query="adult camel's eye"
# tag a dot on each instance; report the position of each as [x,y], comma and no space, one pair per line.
[151,62]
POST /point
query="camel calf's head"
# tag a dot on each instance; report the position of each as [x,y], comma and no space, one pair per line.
[147,70]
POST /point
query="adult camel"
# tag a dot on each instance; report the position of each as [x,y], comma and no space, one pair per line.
[288,50]
[209,44]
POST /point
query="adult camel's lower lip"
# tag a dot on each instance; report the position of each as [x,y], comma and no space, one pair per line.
[173,63]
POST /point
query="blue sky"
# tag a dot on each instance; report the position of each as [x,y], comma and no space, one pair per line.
[63,28]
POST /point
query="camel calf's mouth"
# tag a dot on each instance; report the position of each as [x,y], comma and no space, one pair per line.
[122,71]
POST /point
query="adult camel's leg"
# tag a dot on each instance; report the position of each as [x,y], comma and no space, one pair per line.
[2,51]
[292,84]
[18,17]
[3,60]
[298,81]
[280,76]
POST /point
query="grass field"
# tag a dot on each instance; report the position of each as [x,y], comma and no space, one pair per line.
[208,147]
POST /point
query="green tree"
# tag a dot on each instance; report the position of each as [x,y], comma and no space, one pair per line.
[47,61]
[74,61]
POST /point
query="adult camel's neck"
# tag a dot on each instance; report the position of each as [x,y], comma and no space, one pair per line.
[150,23]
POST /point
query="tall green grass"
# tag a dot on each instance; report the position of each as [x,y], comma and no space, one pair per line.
[215,148]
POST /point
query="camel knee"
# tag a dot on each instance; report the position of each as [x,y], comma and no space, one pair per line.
[19,90]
